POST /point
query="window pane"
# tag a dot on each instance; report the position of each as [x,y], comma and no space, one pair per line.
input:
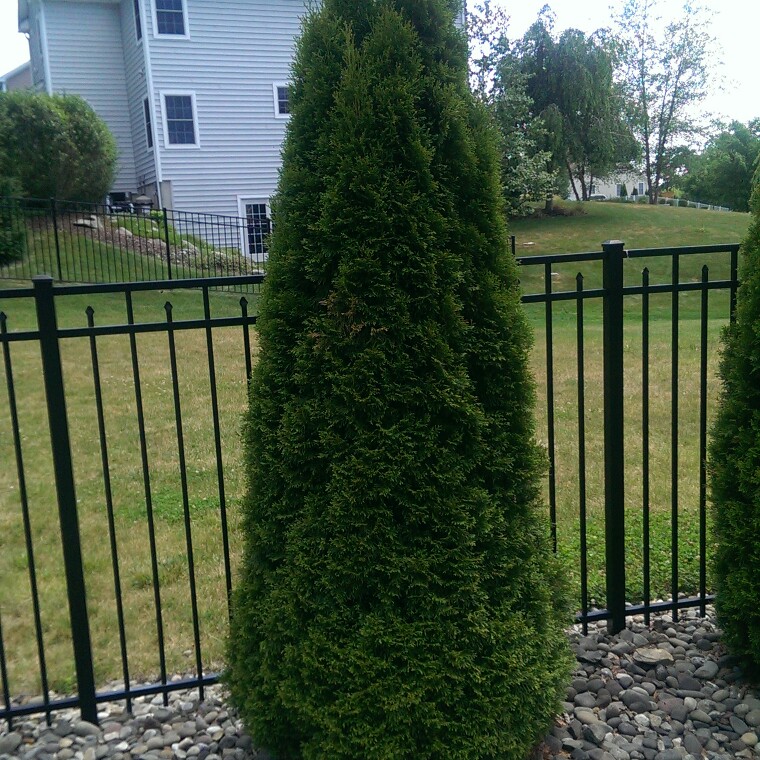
[179,119]
[138,25]
[283,100]
[169,17]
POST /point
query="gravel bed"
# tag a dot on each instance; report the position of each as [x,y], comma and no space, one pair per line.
[667,692]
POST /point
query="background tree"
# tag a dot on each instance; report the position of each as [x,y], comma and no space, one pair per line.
[665,77]
[735,463]
[55,146]
[571,82]
[722,173]
[526,172]
[397,597]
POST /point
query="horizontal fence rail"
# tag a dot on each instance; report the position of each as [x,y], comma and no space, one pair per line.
[82,242]
[145,440]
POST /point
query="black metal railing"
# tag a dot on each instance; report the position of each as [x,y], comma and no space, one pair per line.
[49,336]
[617,309]
[86,242]
[49,320]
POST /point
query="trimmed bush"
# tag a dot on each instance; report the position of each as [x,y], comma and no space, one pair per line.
[735,463]
[397,596]
[55,146]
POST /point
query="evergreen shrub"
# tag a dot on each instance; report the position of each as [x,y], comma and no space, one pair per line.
[735,463]
[397,595]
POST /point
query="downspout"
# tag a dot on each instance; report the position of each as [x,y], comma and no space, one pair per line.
[147,31]
[45,51]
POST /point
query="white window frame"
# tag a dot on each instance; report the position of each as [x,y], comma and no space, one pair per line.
[276,96]
[642,190]
[185,21]
[243,201]
[165,121]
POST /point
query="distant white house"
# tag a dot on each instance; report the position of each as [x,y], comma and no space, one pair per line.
[194,91]
[612,186]
[18,79]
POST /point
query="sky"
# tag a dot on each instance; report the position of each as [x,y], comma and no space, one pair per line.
[735,26]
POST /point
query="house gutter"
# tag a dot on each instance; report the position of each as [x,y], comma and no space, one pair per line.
[151,100]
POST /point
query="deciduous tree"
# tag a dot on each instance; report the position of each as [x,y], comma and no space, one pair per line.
[665,75]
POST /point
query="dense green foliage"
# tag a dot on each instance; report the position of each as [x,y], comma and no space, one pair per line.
[12,227]
[526,170]
[55,146]
[722,173]
[735,463]
[571,82]
[397,596]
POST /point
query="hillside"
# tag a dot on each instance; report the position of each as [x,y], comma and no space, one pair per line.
[639,225]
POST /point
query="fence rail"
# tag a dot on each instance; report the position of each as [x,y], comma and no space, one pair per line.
[561,300]
[80,242]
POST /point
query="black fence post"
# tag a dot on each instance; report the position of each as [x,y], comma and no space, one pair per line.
[166,240]
[614,475]
[513,245]
[67,503]
[54,213]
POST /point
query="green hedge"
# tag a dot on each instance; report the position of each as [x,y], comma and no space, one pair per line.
[735,463]
[397,598]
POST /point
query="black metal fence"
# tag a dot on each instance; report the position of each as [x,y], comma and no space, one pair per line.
[81,242]
[629,305]
[188,424]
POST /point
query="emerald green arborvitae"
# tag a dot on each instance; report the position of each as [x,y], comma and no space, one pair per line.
[735,463]
[397,598]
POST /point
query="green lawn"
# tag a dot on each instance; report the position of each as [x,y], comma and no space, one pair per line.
[579,232]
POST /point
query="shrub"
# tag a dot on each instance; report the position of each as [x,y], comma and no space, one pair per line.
[12,227]
[735,463]
[397,596]
[55,146]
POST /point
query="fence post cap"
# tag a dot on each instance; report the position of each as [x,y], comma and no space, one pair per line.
[42,279]
[612,242]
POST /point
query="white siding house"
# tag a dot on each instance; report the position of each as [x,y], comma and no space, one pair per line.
[195,92]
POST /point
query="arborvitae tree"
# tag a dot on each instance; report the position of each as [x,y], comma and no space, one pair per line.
[735,463]
[397,598]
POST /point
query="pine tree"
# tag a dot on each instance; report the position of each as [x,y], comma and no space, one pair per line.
[397,597]
[735,463]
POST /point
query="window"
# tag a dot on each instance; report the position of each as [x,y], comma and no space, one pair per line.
[138,23]
[618,190]
[258,226]
[281,100]
[148,127]
[170,18]
[180,120]
[641,188]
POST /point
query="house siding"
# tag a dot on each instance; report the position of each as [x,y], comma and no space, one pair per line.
[235,51]
[137,91]
[36,50]
[86,58]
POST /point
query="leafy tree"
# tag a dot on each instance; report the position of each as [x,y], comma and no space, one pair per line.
[735,463]
[55,146]
[526,173]
[665,77]
[571,81]
[12,227]
[397,597]
[722,173]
